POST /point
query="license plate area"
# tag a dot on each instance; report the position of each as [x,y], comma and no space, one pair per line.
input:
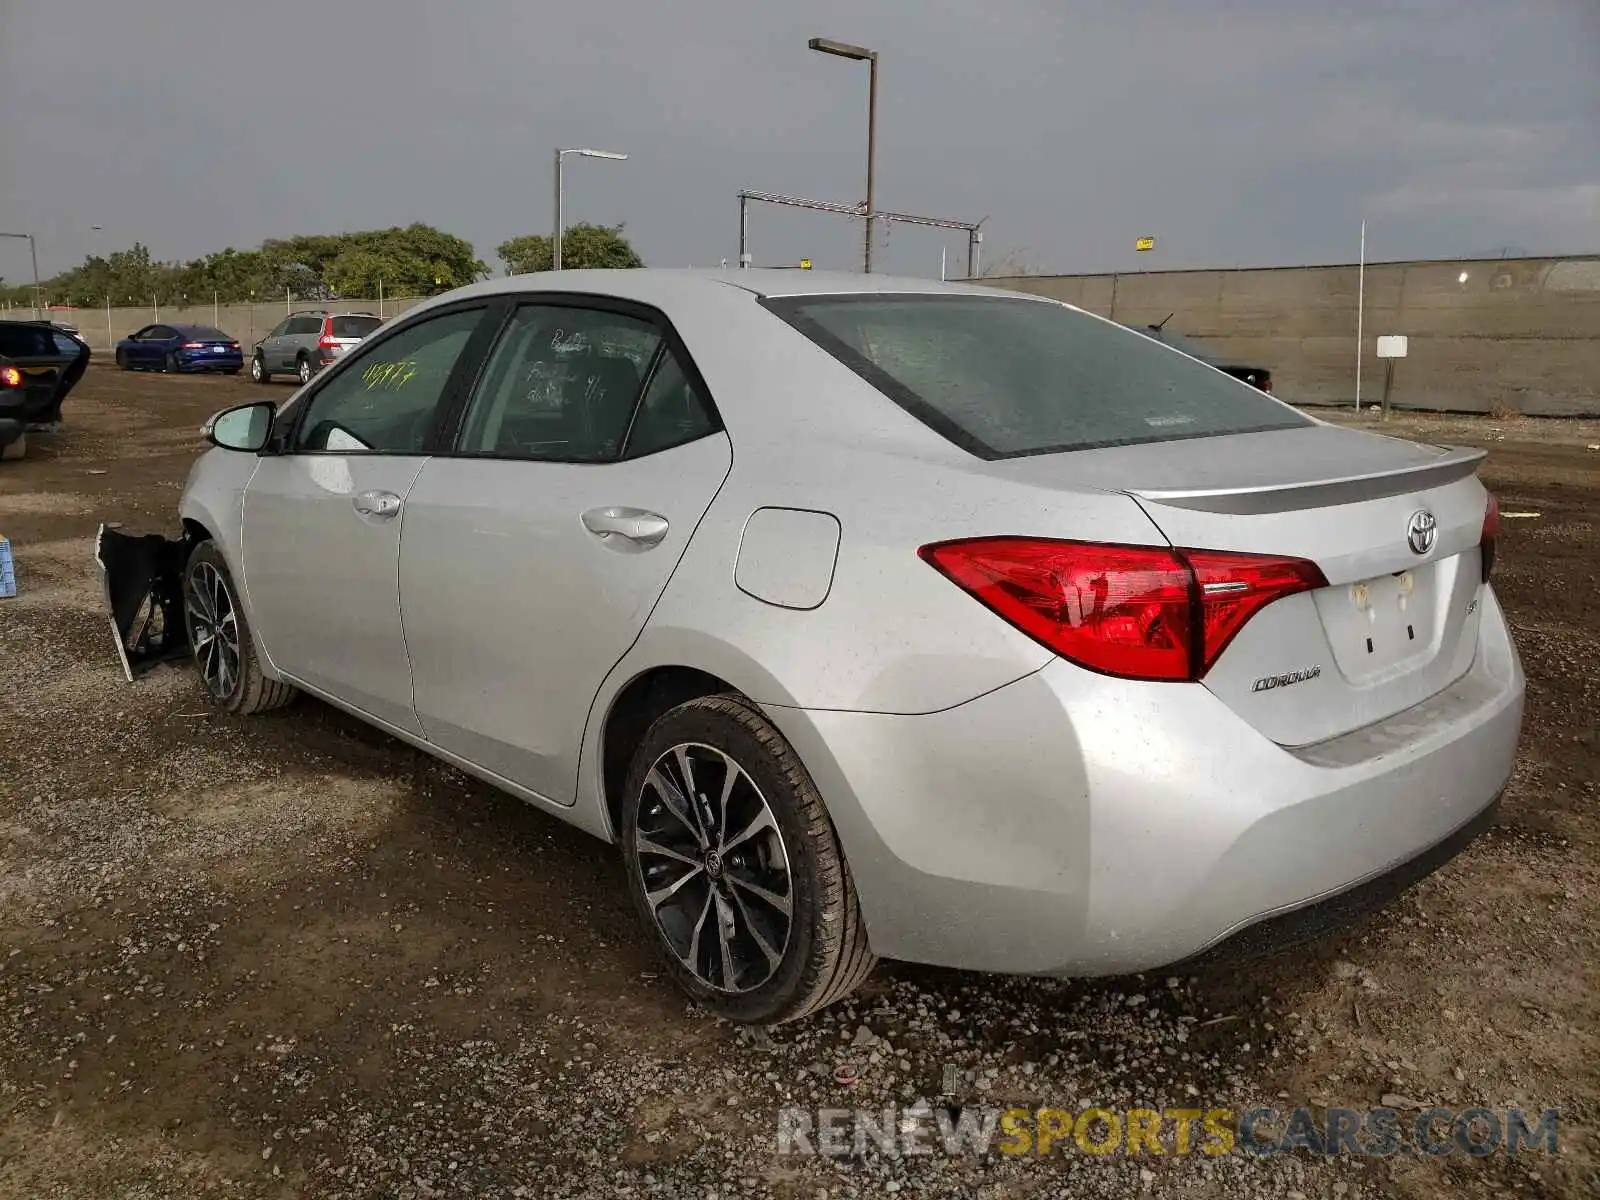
[1385,625]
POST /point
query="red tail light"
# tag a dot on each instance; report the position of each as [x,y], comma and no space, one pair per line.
[1491,534]
[1138,612]
[194,345]
[10,377]
[327,341]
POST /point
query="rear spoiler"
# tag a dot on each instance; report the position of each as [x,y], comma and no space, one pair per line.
[1454,462]
[143,578]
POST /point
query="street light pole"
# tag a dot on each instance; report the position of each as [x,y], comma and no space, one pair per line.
[33,253]
[870,57]
[555,236]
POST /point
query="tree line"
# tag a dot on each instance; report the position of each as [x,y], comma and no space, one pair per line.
[410,260]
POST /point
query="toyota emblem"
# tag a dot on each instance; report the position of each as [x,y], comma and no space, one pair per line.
[1422,532]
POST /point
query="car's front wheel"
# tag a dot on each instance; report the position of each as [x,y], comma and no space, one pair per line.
[220,638]
[258,370]
[735,867]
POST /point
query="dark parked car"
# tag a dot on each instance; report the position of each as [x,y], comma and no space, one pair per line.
[1259,377]
[180,348]
[39,364]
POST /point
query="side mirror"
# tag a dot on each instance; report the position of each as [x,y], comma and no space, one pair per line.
[244,428]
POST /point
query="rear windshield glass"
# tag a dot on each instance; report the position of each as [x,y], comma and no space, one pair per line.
[25,341]
[206,333]
[354,327]
[1002,377]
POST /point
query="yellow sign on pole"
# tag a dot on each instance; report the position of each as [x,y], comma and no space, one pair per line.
[1145,243]
[805,264]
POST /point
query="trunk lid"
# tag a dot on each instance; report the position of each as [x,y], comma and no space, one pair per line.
[1394,626]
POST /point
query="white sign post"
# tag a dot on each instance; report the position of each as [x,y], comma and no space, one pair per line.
[1390,347]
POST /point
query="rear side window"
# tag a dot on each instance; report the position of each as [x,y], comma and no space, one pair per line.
[1003,377]
[354,327]
[673,411]
[561,385]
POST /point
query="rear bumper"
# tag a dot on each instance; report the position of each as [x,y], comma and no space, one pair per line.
[11,428]
[1070,823]
[211,362]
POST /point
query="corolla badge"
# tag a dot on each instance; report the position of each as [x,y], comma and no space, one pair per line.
[1422,532]
[1288,679]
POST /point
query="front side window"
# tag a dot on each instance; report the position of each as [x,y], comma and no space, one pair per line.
[1009,376]
[561,385]
[387,401]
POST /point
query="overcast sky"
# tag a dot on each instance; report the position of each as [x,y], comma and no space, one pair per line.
[1235,131]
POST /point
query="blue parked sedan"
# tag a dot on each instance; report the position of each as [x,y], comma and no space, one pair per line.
[180,348]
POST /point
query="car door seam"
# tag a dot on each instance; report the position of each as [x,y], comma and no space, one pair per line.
[399,543]
[588,720]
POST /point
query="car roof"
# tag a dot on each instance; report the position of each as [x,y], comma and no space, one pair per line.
[665,284]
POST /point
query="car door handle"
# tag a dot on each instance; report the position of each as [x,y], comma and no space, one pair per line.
[376,504]
[637,526]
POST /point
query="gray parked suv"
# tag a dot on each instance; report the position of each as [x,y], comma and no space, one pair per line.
[302,344]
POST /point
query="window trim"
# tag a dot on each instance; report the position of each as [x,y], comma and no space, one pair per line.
[450,430]
[786,309]
[285,444]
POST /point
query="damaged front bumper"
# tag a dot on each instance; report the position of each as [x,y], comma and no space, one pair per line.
[143,577]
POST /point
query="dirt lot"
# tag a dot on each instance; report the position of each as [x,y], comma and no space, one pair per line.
[290,957]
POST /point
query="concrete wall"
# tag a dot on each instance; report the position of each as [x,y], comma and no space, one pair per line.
[1518,335]
[247,322]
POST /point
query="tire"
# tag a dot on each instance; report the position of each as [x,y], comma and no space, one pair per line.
[793,853]
[15,449]
[304,370]
[258,370]
[210,601]
[171,365]
[122,362]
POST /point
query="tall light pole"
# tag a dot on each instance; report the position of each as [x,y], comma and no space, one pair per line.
[870,57]
[555,237]
[33,252]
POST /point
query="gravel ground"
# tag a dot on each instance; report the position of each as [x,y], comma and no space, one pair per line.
[290,957]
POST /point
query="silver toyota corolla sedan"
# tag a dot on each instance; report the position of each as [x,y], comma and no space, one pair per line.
[869,616]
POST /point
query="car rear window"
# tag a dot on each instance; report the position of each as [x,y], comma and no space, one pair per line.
[354,327]
[206,333]
[26,341]
[1004,376]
